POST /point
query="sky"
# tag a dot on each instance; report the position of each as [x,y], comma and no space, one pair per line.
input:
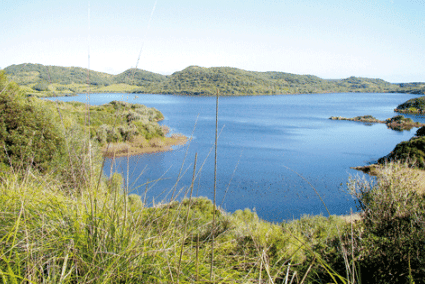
[332,39]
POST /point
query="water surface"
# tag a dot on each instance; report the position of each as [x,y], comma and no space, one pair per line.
[271,149]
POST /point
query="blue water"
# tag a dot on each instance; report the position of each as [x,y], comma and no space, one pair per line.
[271,149]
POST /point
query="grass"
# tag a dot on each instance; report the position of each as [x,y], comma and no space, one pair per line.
[106,236]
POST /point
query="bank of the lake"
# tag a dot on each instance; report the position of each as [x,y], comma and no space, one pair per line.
[140,146]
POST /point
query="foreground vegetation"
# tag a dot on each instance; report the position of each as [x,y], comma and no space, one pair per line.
[63,221]
[97,233]
[40,80]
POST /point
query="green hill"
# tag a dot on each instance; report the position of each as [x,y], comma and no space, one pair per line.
[41,80]
[196,80]
[26,74]
[137,77]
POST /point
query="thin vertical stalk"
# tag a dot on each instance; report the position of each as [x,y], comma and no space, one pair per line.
[197,258]
[187,217]
[215,187]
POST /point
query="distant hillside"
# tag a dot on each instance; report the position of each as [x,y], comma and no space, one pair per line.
[137,77]
[38,79]
[25,74]
[412,106]
[196,80]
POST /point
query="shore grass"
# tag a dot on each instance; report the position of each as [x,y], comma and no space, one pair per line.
[103,235]
[140,145]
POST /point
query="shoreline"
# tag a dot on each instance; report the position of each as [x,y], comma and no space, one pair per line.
[140,146]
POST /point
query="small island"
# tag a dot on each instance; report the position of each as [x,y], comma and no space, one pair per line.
[398,122]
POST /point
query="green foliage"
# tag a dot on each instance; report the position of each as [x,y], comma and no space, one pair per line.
[113,122]
[193,80]
[413,106]
[35,73]
[411,152]
[41,86]
[421,131]
[28,134]
[137,77]
[412,88]
[400,119]
[393,231]
[196,80]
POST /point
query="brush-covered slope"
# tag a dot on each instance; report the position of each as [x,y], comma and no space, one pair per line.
[138,77]
[196,80]
[37,79]
[26,74]
[412,106]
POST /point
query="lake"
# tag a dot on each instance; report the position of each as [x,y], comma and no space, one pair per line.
[271,150]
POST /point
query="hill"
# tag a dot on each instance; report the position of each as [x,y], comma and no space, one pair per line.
[41,80]
[137,77]
[27,74]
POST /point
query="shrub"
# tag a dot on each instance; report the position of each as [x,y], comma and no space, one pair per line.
[421,131]
[28,134]
[411,152]
[42,86]
[394,227]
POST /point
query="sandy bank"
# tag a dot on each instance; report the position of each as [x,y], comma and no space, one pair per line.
[140,145]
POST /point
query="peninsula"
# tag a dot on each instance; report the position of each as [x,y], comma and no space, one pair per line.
[121,128]
[398,122]
[412,106]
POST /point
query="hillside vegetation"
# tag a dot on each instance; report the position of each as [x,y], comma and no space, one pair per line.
[412,106]
[37,79]
[33,131]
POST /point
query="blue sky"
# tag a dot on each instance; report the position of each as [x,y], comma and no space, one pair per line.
[331,39]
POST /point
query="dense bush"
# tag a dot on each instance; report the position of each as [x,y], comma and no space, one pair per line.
[411,152]
[421,131]
[393,232]
[41,86]
[28,134]
[416,105]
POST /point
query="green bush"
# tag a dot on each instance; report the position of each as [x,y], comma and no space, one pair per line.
[421,131]
[42,86]
[411,152]
[28,134]
[393,235]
